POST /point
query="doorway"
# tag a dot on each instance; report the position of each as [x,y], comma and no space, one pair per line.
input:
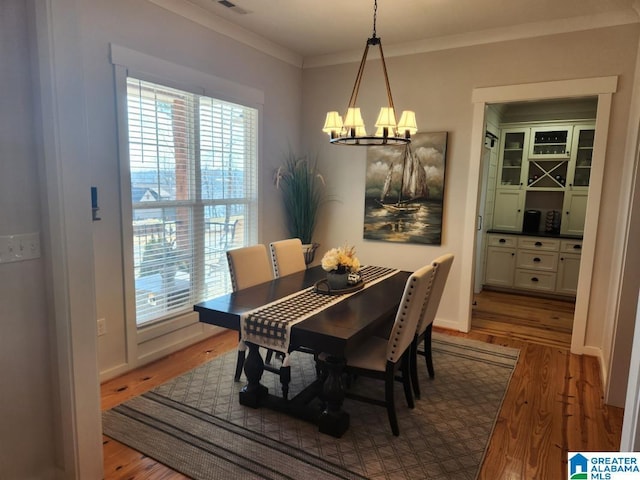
[603,88]
[520,312]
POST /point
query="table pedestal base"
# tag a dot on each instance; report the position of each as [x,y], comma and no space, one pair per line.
[253,393]
[333,420]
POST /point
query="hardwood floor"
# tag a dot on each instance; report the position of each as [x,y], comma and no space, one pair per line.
[554,403]
[531,319]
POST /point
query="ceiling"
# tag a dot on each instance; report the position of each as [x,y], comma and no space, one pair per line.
[306,29]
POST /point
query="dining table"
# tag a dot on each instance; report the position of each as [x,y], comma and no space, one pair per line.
[327,322]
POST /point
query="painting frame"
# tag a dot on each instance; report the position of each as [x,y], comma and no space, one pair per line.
[404,190]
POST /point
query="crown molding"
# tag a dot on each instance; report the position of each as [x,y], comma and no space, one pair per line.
[203,17]
[207,19]
[515,32]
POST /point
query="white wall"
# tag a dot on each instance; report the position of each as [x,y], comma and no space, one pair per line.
[26,398]
[151,30]
[438,86]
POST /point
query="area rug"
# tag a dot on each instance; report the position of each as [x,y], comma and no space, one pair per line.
[195,425]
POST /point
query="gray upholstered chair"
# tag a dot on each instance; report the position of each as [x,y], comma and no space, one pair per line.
[441,268]
[381,358]
[287,257]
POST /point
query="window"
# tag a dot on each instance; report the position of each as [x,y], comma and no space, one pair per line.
[193,172]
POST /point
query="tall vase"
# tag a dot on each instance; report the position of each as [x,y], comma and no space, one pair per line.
[309,250]
[338,281]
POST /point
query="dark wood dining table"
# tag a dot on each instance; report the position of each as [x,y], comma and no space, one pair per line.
[335,330]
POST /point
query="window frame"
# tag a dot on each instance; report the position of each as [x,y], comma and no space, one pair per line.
[128,63]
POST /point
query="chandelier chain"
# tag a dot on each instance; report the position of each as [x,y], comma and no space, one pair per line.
[375,15]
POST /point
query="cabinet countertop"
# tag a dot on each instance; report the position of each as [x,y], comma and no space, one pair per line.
[537,234]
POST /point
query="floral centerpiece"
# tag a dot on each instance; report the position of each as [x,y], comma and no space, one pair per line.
[341,264]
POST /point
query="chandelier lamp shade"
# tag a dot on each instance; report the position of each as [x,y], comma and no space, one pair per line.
[352,130]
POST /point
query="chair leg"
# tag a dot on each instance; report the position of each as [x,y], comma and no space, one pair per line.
[269,356]
[241,357]
[413,367]
[285,379]
[427,351]
[406,379]
[239,365]
[391,406]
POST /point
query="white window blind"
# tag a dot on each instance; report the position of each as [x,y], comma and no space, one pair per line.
[193,170]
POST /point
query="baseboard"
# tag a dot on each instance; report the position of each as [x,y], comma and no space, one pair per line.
[450,325]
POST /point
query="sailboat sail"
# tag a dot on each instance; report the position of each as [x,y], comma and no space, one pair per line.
[387,184]
[415,178]
[413,186]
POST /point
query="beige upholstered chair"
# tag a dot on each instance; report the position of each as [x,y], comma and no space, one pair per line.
[381,358]
[287,257]
[248,266]
[441,268]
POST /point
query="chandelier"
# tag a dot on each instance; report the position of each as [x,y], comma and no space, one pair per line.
[352,131]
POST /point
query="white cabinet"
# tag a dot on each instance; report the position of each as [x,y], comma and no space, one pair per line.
[547,168]
[508,211]
[514,143]
[552,141]
[542,264]
[568,267]
[579,173]
[574,211]
[500,260]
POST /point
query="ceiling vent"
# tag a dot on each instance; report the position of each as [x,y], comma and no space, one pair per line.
[233,6]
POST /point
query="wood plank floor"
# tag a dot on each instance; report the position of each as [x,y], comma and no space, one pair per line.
[554,404]
[531,319]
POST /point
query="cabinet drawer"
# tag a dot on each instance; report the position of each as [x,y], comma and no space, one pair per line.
[571,246]
[532,280]
[502,240]
[539,243]
[541,261]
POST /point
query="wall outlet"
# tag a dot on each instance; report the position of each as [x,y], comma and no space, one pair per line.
[102,326]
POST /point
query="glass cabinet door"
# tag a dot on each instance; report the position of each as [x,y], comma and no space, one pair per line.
[584,151]
[514,145]
[550,142]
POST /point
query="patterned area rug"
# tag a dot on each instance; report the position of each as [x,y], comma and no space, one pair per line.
[195,425]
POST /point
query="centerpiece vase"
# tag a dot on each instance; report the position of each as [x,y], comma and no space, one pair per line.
[338,280]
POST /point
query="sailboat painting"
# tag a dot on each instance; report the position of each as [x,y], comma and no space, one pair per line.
[405,190]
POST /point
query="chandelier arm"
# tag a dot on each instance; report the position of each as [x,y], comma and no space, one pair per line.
[356,85]
[386,78]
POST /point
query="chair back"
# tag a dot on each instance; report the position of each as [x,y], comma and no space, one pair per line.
[441,268]
[249,266]
[408,315]
[287,257]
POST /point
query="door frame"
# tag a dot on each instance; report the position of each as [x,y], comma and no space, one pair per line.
[601,87]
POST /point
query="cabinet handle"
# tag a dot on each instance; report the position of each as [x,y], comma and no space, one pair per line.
[567,213]
[502,240]
[577,247]
[534,279]
[536,259]
[562,259]
[538,244]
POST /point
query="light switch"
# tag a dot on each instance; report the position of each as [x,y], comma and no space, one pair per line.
[15,248]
